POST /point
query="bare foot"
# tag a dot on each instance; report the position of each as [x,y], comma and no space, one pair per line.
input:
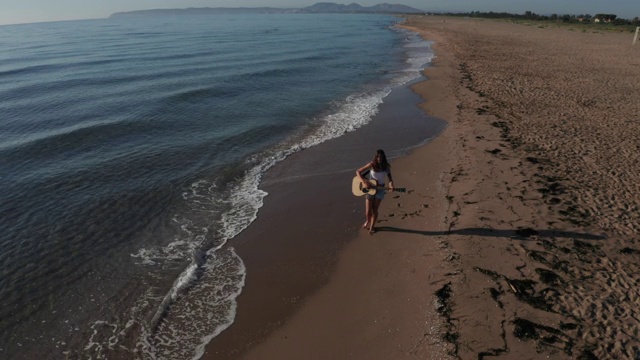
[365,225]
[372,230]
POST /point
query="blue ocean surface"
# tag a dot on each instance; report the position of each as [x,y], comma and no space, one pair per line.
[131,153]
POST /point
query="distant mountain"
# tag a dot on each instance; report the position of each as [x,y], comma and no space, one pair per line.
[325,7]
[322,7]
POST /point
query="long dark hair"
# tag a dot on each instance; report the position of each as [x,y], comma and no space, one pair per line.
[382,164]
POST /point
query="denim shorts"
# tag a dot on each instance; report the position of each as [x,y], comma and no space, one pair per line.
[379,195]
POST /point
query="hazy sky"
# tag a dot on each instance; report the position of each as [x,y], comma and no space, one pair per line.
[24,11]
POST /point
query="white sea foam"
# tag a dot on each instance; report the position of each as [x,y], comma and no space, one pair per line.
[200,314]
[201,302]
[354,112]
[419,55]
[244,202]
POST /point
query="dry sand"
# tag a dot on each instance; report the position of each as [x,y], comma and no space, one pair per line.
[545,189]
[518,236]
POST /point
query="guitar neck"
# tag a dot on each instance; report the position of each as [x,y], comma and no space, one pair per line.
[389,189]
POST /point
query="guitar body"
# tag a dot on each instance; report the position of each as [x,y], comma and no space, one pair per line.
[358,188]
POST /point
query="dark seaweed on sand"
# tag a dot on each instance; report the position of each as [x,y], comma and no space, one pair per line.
[544,335]
[444,308]
[549,277]
[629,251]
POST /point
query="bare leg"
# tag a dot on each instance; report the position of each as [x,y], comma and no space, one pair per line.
[368,213]
[374,215]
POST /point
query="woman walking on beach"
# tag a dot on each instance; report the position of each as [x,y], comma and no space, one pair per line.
[377,170]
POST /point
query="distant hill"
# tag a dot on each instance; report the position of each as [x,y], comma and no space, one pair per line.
[325,7]
[322,7]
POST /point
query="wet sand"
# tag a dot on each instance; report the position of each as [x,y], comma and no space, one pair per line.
[517,237]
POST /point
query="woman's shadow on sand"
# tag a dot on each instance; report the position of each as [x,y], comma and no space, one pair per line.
[518,234]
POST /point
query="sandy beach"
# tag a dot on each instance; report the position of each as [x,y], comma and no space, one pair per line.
[517,237]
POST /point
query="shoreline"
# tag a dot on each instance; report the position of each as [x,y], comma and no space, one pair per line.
[310,239]
[517,235]
[370,300]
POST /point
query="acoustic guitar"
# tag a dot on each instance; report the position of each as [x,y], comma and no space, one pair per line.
[359,188]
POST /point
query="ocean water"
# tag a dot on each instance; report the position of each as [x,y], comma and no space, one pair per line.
[131,153]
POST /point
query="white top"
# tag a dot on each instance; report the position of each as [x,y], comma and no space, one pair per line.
[378,176]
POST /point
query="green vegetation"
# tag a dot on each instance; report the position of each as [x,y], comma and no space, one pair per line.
[583,22]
